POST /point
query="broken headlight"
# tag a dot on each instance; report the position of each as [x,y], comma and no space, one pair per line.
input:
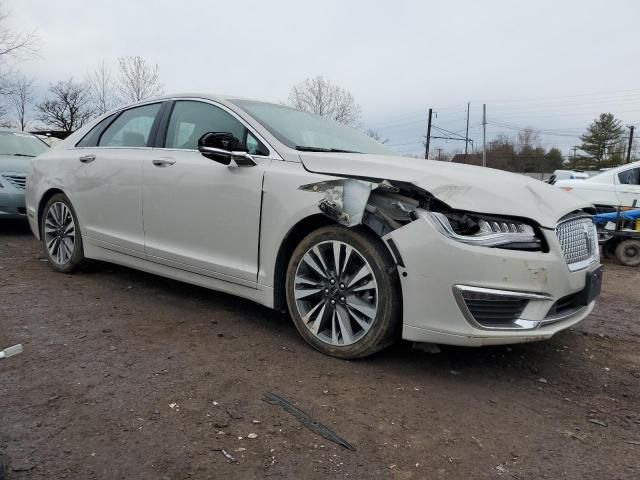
[486,231]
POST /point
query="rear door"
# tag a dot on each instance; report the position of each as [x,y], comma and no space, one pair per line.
[628,187]
[201,215]
[107,190]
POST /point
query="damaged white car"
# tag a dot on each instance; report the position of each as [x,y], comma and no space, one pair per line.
[295,211]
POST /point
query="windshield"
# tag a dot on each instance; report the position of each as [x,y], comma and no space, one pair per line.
[308,132]
[21,144]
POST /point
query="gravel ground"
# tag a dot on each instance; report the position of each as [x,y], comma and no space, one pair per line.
[126,375]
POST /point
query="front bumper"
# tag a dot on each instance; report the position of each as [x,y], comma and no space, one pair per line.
[12,203]
[435,267]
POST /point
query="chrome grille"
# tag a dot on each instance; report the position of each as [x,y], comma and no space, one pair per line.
[15,179]
[579,241]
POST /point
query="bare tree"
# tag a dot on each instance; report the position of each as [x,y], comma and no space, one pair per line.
[137,79]
[13,46]
[101,89]
[67,106]
[320,96]
[376,136]
[528,139]
[21,97]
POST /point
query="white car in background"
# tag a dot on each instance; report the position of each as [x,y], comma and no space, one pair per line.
[609,189]
[567,175]
[293,210]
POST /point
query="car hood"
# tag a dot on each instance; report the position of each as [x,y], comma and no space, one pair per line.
[11,163]
[463,187]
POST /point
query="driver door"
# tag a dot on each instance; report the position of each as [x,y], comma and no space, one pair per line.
[200,215]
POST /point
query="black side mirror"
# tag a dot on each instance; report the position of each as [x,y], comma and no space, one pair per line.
[223,147]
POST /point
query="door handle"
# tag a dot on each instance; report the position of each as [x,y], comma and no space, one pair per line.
[163,162]
[87,158]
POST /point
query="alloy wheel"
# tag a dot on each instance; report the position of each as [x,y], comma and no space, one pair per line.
[59,233]
[336,293]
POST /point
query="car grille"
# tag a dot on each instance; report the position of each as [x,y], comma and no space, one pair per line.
[579,241]
[15,179]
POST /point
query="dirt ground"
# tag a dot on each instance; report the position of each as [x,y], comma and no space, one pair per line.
[130,376]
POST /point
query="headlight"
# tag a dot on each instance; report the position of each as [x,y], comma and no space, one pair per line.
[486,231]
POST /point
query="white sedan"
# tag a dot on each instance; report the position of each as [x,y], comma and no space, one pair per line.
[611,188]
[295,211]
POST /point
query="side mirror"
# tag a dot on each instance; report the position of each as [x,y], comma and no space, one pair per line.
[224,148]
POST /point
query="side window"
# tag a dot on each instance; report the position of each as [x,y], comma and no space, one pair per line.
[190,120]
[131,128]
[93,135]
[254,146]
[630,177]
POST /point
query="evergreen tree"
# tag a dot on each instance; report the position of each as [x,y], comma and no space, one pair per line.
[602,136]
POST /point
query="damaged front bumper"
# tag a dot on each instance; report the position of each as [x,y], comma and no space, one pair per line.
[456,288]
[460,294]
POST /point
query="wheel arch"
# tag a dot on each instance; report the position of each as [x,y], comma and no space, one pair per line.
[43,201]
[291,240]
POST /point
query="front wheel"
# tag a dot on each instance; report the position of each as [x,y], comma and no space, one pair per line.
[60,235]
[343,292]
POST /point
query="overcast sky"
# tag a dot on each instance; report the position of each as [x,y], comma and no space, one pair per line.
[552,65]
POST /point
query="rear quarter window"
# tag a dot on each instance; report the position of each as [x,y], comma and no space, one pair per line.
[92,136]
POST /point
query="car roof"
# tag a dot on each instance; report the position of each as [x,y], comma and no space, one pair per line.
[208,96]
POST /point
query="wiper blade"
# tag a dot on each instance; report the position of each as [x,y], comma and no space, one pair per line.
[20,155]
[304,148]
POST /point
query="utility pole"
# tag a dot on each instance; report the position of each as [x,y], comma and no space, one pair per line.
[631,128]
[439,152]
[484,134]
[426,150]
[466,137]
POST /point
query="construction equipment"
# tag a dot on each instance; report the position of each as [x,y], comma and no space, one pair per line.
[620,235]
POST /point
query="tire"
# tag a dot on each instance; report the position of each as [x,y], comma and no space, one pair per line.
[628,252]
[609,248]
[348,314]
[60,235]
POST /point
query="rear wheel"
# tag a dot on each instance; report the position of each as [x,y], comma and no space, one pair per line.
[60,235]
[628,252]
[343,292]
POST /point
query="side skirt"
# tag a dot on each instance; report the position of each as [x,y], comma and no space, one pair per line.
[262,294]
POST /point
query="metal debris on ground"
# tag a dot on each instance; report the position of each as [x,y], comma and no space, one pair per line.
[580,438]
[227,455]
[307,420]
[11,351]
[597,422]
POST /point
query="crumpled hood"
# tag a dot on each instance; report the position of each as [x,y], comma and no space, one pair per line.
[10,163]
[463,187]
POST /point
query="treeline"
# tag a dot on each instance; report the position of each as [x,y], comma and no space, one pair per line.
[69,103]
[524,154]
